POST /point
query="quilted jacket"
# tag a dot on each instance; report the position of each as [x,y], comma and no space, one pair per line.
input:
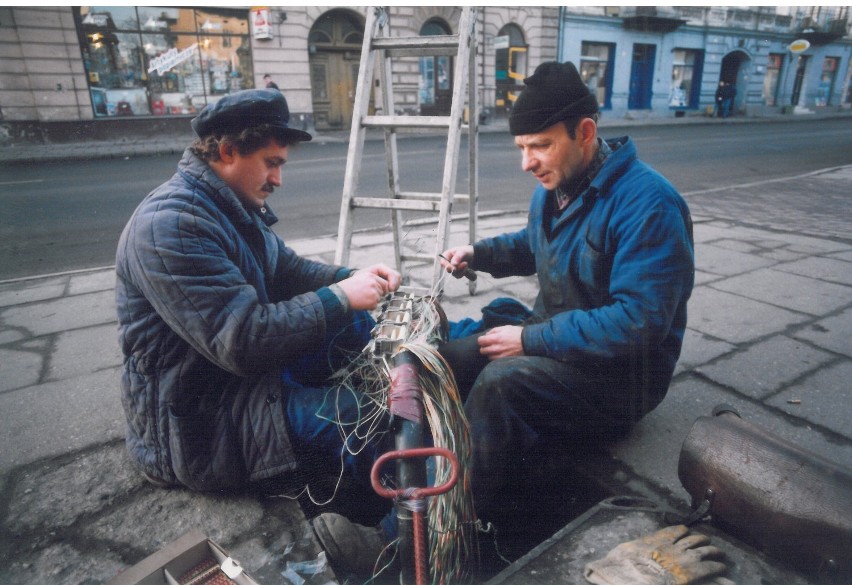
[615,270]
[211,306]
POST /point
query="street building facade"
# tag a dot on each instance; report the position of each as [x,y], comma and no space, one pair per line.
[88,72]
[669,61]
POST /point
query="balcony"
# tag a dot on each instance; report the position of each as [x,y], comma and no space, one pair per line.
[651,19]
[822,31]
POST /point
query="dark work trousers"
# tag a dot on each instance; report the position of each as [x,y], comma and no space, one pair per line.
[327,424]
[516,404]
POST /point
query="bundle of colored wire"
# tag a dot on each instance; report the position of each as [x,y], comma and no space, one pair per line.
[451,517]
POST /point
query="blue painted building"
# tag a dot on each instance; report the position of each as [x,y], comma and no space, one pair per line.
[669,61]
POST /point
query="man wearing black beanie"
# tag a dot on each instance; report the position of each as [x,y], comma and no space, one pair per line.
[610,240]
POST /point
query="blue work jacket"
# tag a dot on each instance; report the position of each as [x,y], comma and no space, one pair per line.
[615,272]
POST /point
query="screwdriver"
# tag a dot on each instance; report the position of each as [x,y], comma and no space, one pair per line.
[468,273]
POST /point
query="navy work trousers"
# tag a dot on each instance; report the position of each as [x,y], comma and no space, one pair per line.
[327,423]
[516,404]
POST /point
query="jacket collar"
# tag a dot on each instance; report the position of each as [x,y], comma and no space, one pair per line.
[200,174]
[623,153]
[616,162]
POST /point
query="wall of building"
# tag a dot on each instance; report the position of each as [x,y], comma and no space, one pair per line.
[718,31]
[43,81]
[41,72]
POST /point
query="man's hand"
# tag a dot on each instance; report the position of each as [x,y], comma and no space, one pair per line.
[393,278]
[365,288]
[501,342]
[456,260]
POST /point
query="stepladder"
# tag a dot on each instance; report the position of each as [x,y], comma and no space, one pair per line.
[383,55]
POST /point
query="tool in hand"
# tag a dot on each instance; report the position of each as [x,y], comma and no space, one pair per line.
[468,273]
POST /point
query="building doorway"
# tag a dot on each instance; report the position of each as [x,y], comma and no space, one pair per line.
[510,66]
[334,48]
[642,77]
[733,73]
[436,75]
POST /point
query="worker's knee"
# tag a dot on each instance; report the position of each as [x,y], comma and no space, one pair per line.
[500,383]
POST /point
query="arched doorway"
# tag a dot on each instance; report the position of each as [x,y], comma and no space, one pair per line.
[334,48]
[510,65]
[733,73]
[436,75]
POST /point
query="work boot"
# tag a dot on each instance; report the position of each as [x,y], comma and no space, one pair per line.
[350,547]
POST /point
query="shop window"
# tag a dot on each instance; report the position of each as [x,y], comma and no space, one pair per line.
[826,80]
[770,79]
[162,61]
[686,75]
[848,99]
[435,90]
[596,64]
[427,81]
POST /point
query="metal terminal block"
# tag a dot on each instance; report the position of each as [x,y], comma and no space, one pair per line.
[389,336]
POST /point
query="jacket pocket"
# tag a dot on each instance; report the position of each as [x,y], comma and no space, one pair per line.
[204,454]
[594,266]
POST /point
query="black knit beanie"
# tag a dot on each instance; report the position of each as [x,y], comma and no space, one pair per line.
[553,93]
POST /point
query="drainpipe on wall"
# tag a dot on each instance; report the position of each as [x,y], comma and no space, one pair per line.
[559,43]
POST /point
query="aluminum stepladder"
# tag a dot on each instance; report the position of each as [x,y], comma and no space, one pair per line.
[380,48]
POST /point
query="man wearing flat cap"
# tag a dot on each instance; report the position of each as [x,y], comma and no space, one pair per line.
[610,241]
[228,335]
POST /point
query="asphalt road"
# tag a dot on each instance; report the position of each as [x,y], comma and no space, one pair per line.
[68,215]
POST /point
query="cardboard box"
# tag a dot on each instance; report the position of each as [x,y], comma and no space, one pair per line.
[166,566]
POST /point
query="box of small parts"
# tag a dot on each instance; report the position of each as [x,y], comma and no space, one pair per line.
[192,559]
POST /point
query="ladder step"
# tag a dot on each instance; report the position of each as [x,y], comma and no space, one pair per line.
[431,196]
[420,257]
[439,45]
[387,203]
[405,121]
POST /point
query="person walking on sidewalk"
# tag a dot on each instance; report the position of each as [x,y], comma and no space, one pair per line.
[228,336]
[610,240]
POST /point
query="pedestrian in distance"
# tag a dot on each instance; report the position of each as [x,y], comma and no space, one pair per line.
[728,96]
[267,79]
[610,240]
[719,100]
[228,336]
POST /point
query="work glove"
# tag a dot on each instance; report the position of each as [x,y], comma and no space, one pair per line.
[671,556]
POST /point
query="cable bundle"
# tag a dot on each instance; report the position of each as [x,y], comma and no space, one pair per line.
[451,516]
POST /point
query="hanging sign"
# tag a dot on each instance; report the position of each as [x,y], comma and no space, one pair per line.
[799,46]
[260,22]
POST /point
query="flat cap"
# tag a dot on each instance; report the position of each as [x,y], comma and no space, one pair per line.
[244,109]
[555,92]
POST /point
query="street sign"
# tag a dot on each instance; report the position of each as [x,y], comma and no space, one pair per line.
[260,22]
[799,46]
[501,42]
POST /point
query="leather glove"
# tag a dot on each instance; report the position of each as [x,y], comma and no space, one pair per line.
[671,556]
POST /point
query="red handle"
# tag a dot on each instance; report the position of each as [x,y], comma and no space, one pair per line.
[421,492]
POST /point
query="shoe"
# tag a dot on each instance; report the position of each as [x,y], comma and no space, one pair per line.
[350,547]
[156,482]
